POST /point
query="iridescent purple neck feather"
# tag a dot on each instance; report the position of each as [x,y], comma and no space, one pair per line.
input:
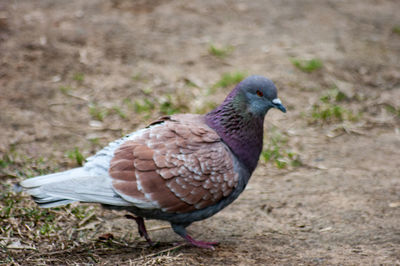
[241,130]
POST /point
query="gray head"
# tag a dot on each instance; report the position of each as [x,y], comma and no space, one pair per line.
[261,95]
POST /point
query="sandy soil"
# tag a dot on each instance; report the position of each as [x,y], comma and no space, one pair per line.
[67,65]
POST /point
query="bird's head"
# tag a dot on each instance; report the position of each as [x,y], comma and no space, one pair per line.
[260,95]
[239,119]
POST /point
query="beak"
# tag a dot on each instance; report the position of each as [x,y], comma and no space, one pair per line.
[278,105]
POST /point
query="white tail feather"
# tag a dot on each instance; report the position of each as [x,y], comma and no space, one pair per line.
[51,178]
[72,185]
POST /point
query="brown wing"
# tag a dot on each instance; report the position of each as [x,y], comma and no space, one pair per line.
[178,166]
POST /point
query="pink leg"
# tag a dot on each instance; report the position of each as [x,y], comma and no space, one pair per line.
[200,244]
[141,228]
[180,230]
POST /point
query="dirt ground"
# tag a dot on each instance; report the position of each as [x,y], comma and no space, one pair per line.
[75,75]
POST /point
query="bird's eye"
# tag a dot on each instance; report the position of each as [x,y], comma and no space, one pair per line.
[259,93]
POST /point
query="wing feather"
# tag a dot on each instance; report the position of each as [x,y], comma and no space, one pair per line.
[179,166]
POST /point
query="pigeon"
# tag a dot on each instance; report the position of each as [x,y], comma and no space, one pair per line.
[181,168]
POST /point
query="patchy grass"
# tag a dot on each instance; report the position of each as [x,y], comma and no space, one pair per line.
[329,110]
[147,90]
[307,65]
[79,77]
[137,76]
[76,156]
[277,151]
[143,106]
[328,113]
[190,83]
[65,89]
[6,160]
[393,110]
[172,105]
[97,112]
[167,108]
[95,141]
[26,229]
[24,226]
[118,110]
[334,95]
[17,165]
[38,221]
[83,212]
[165,105]
[220,52]
[229,79]
[396,29]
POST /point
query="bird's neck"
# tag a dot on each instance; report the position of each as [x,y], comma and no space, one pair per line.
[239,129]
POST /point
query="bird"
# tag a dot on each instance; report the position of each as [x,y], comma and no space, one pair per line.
[181,168]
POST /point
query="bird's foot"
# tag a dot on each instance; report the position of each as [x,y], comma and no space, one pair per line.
[141,228]
[201,244]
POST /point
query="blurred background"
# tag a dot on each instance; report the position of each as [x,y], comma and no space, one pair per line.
[75,75]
